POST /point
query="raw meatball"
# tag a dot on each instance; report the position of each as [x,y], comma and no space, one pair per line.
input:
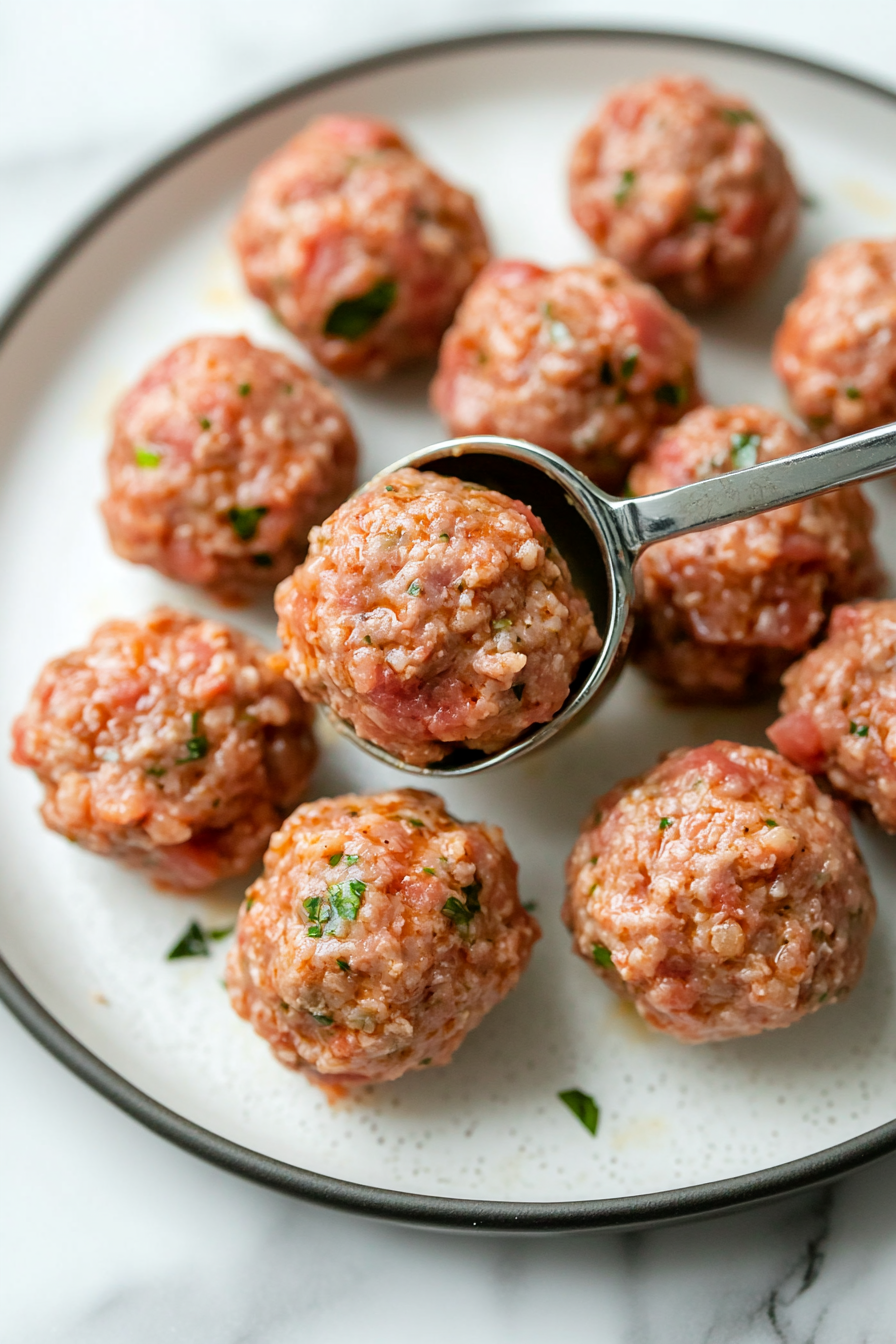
[839,708]
[685,186]
[169,745]
[223,457]
[723,612]
[835,351]
[381,933]
[357,245]
[433,614]
[583,361]
[721,892]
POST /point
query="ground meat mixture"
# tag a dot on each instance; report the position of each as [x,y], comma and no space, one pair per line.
[685,186]
[382,932]
[722,613]
[721,892]
[583,361]
[835,351]
[223,456]
[433,614]
[357,245]
[839,708]
[169,745]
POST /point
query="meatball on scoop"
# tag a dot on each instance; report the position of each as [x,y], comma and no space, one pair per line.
[685,186]
[381,933]
[723,612]
[223,457]
[359,248]
[838,710]
[835,351]
[433,614]
[583,361]
[168,744]
[721,892]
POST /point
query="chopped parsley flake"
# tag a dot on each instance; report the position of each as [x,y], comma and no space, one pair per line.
[502,623]
[145,457]
[156,770]
[390,489]
[530,905]
[430,871]
[334,859]
[287,388]
[665,822]
[427,1060]
[461,912]
[414,588]
[443,536]
[367,639]
[704,216]
[351,859]
[218,934]
[769,822]
[629,363]
[192,943]
[326,913]
[244,389]
[414,821]
[671,394]
[197,745]
[858,729]
[343,965]
[245,521]
[853,393]
[205,422]
[250,901]
[736,116]
[602,955]
[624,190]
[346,897]
[744,448]
[323,1018]
[353,318]
[583,1107]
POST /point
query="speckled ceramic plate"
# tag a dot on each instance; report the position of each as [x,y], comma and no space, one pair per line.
[484,1142]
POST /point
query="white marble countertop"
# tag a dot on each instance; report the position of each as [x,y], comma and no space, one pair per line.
[109,1234]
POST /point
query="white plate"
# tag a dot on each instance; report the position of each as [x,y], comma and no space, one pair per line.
[484,1141]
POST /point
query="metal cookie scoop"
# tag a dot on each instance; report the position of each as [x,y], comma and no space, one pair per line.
[601,537]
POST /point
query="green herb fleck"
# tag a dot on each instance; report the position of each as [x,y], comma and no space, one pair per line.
[583,1107]
[430,871]
[287,388]
[808,201]
[769,822]
[343,965]
[156,770]
[853,393]
[414,821]
[245,521]
[367,639]
[427,1060]
[502,623]
[671,394]
[518,690]
[145,457]
[665,822]
[443,536]
[530,905]
[197,745]
[217,934]
[461,912]
[244,389]
[858,729]
[624,190]
[353,318]
[602,955]
[818,422]
[322,1018]
[192,943]
[629,363]
[704,216]
[250,901]
[334,859]
[414,588]
[205,422]
[744,448]
[351,860]
[736,116]
[390,489]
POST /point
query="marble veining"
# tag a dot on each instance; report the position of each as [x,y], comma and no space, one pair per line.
[107,1234]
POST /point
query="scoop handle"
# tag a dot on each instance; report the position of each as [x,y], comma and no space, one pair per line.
[752,490]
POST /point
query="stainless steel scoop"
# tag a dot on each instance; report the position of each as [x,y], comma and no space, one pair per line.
[601,537]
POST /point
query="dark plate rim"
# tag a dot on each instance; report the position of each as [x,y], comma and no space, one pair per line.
[431,1210]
